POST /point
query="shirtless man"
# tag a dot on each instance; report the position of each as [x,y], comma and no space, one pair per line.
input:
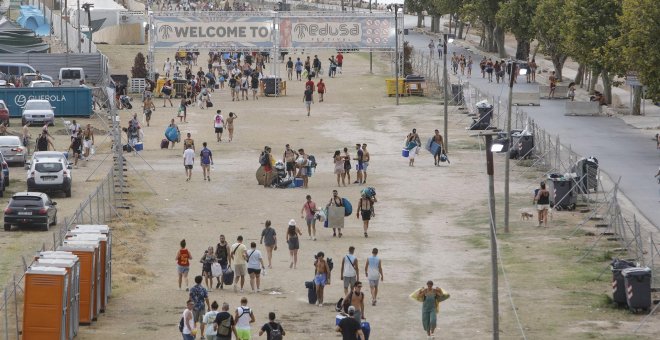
[437,138]
[290,160]
[88,140]
[365,163]
[356,299]
[26,137]
[321,276]
[366,209]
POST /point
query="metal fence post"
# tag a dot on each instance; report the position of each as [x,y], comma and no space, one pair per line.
[18,331]
[6,314]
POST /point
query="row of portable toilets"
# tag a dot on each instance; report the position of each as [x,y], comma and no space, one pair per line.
[70,286]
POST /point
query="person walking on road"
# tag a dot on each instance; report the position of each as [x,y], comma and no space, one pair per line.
[321,276]
[542,200]
[244,317]
[320,88]
[269,238]
[222,251]
[355,298]
[308,212]
[224,324]
[350,272]
[239,258]
[366,209]
[189,331]
[308,99]
[230,125]
[553,85]
[335,201]
[272,329]
[339,167]
[218,125]
[209,321]
[428,296]
[188,161]
[199,296]
[206,160]
[432,48]
[365,162]
[350,328]
[183,258]
[255,264]
[347,167]
[207,260]
[293,241]
[437,138]
[373,269]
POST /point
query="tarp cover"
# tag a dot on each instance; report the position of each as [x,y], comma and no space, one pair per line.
[14,39]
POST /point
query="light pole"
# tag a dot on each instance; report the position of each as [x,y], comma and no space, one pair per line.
[445,81]
[493,240]
[396,48]
[514,71]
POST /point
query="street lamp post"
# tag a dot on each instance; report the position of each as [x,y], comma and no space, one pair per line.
[396,8]
[445,81]
[493,240]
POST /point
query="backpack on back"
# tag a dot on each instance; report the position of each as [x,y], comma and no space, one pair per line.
[263,160]
[224,329]
[275,333]
[181,325]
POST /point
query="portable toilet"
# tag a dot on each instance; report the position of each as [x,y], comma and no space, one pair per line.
[103,229]
[72,268]
[87,255]
[44,308]
[96,303]
[75,288]
[105,268]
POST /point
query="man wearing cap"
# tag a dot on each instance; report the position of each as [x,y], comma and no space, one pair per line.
[350,328]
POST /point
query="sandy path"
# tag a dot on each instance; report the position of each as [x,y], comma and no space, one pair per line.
[414,228]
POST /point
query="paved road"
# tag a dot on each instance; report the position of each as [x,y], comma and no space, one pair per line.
[621,150]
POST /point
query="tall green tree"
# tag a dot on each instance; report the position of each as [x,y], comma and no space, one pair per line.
[484,11]
[517,16]
[589,26]
[637,49]
[548,31]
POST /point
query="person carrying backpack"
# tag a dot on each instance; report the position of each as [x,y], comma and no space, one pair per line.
[273,330]
[225,325]
[43,141]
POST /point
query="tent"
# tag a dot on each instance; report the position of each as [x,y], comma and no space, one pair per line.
[14,39]
[33,19]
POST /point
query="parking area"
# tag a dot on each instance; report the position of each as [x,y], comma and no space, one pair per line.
[25,241]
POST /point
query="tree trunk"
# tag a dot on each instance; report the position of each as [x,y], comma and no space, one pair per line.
[637,101]
[594,79]
[579,75]
[558,62]
[433,24]
[522,49]
[607,86]
[536,50]
[420,20]
[498,42]
[450,17]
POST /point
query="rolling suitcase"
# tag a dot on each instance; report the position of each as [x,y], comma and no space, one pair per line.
[311,292]
[164,144]
[228,277]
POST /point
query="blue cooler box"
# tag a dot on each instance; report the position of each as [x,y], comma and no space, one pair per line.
[298,182]
[366,329]
[338,318]
[405,153]
[139,146]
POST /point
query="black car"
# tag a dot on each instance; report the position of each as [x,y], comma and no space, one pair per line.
[30,208]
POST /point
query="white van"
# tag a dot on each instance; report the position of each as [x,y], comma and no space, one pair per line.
[72,76]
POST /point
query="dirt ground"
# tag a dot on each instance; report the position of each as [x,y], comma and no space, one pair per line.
[431,222]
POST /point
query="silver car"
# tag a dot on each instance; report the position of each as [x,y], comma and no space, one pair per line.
[38,111]
[12,149]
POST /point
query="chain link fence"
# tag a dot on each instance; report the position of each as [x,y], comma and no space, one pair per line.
[97,208]
[549,157]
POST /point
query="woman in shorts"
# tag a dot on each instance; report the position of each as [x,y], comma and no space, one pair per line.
[230,125]
[167,93]
[339,167]
[183,258]
[542,200]
[207,260]
[347,166]
[293,241]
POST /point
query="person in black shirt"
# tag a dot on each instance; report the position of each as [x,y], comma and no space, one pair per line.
[225,325]
[542,200]
[76,147]
[349,327]
[308,99]
[271,327]
[289,69]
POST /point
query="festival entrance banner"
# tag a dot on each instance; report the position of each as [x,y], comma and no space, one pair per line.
[348,32]
[208,31]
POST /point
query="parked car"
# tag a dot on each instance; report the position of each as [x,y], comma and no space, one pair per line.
[31,76]
[5,171]
[72,76]
[38,110]
[18,69]
[4,113]
[12,149]
[49,174]
[40,83]
[30,208]
[4,84]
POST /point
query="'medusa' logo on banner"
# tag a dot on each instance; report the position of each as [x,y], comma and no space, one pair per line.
[327,32]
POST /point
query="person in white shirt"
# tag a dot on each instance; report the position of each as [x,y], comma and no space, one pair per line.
[244,317]
[374,271]
[167,68]
[255,264]
[350,272]
[218,125]
[73,129]
[189,330]
[188,161]
[209,320]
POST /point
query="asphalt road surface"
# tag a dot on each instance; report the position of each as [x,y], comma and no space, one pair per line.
[620,149]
